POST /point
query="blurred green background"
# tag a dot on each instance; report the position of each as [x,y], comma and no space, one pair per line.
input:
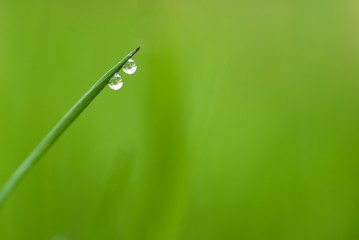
[241,121]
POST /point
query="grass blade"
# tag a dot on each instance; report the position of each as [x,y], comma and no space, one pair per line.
[59,128]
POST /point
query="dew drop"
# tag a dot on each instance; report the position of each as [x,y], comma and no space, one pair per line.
[115,82]
[130,67]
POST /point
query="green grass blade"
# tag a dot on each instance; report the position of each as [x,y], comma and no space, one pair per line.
[59,128]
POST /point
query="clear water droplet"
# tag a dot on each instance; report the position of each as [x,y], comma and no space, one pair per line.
[130,67]
[115,82]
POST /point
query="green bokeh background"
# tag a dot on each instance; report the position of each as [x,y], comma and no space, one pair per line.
[241,122]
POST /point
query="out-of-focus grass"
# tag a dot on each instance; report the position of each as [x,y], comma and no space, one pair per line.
[241,123]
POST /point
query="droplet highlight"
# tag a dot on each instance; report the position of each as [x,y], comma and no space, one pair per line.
[115,82]
[130,67]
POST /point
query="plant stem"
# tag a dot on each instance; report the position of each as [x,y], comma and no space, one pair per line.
[58,129]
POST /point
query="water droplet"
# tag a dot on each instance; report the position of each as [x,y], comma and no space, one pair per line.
[115,82]
[130,67]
